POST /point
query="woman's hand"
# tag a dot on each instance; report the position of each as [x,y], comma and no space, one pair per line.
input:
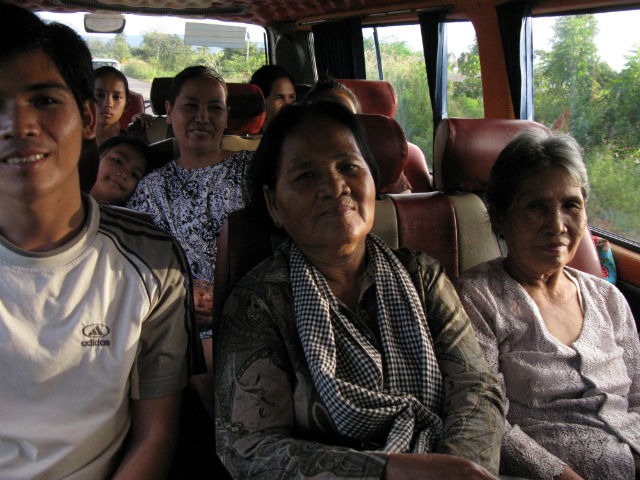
[144,119]
[203,303]
[568,474]
[427,466]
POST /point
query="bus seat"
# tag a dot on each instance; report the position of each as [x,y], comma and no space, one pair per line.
[423,221]
[465,149]
[135,105]
[246,115]
[301,90]
[246,109]
[379,97]
[160,91]
[464,153]
[163,151]
[389,147]
[417,171]
[159,129]
[375,96]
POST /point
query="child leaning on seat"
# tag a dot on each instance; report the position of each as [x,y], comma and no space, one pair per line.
[124,160]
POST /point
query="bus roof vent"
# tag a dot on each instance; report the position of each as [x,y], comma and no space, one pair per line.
[140,7]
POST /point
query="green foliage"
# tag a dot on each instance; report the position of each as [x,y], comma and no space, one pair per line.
[119,48]
[98,48]
[576,92]
[614,174]
[164,55]
[139,69]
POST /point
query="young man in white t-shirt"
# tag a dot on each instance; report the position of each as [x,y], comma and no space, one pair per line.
[95,309]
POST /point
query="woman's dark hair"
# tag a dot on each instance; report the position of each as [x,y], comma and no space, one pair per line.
[328,87]
[22,31]
[527,154]
[266,75]
[190,73]
[109,70]
[138,143]
[266,164]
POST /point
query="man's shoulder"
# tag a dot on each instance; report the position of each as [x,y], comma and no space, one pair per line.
[134,234]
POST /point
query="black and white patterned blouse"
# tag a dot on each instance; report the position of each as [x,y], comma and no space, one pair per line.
[192,205]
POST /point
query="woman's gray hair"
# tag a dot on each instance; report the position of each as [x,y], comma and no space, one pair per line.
[528,153]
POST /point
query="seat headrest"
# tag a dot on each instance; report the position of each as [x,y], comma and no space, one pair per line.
[389,147]
[465,149]
[134,106]
[246,109]
[160,91]
[375,96]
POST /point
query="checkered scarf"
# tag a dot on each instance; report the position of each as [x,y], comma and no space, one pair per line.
[394,393]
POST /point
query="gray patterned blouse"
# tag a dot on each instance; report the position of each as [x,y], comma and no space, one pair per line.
[192,205]
[577,404]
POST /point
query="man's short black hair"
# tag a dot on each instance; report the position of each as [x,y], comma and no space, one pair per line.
[23,31]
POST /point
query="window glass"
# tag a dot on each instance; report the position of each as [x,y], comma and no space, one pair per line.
[402,63]
[153,46]
[464,82]
[586,71]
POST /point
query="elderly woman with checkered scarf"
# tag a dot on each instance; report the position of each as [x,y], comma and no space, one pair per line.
[339,357]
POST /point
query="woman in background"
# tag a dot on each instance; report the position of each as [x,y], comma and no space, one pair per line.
[278,88]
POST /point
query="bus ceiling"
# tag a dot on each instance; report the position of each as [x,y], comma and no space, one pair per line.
[261,12]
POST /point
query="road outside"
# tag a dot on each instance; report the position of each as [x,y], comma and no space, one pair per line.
[143,88]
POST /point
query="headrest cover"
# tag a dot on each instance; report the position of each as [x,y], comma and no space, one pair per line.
[465,149]
[375,96]
[246,109]
[160,91]
[389,147]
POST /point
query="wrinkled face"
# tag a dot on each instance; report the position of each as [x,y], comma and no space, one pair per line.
[111,99]
[41,129]
[545,222]
[199,115]
[325,194]
[121,168]
[282,93]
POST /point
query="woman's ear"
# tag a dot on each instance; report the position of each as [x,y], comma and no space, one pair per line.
[89,119]
[272,205]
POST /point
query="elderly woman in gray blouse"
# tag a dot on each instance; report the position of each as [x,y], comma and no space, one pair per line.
[564,342]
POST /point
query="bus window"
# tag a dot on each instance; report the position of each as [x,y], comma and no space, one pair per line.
[464,82]
[153,46]
[402,64]
[586,70]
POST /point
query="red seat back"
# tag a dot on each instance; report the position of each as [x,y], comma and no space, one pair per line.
[135,105]
[246,109]
[375,96]
[465,149]
[389,147]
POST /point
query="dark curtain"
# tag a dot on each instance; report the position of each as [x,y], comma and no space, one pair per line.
[514,20]
[434,42]
[339,48]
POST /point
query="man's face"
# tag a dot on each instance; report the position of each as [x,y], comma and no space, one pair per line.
[41,129]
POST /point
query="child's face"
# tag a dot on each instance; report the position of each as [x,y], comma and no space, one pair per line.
[41,129]
[111,99]
[121,167]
